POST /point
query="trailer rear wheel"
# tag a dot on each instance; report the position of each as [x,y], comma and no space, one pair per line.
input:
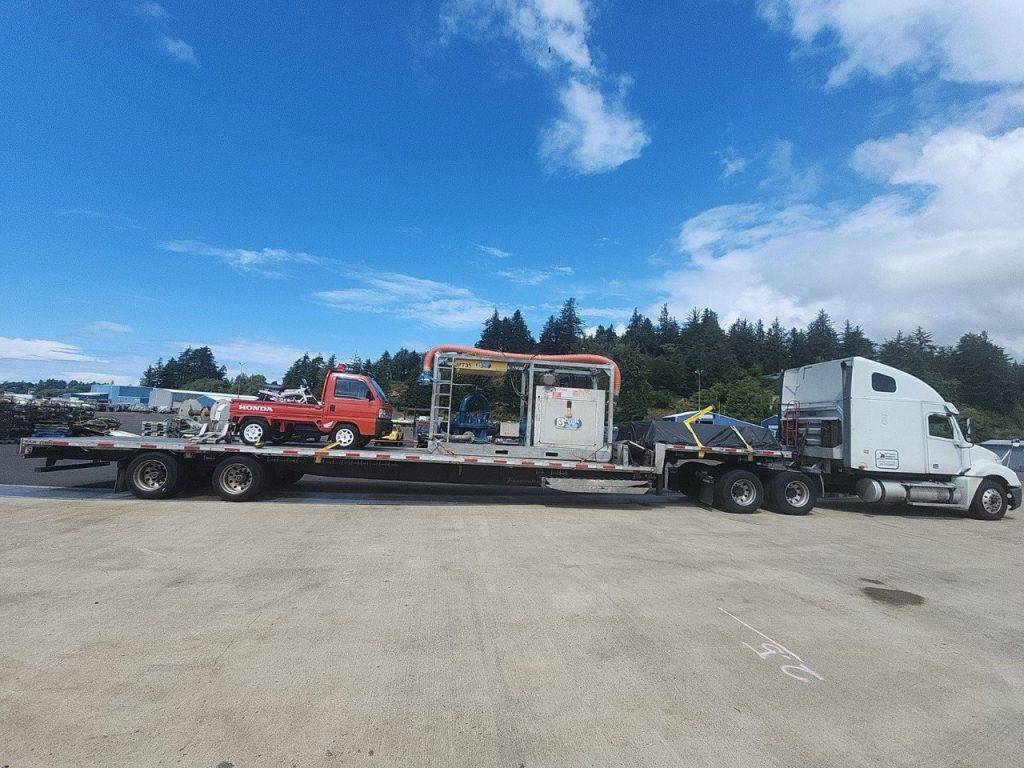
[989,501]
[254,431]
[154,475]
[739,491]
[792,493]
[238,478]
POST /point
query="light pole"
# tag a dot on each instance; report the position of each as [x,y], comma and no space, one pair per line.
[699,371]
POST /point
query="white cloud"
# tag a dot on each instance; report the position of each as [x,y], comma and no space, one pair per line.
[595,133]
[153,11]
[491,250]
[100,376]
[108,326]
[412,298]
[942,247]
[115,219]
[260,261]
[533,276]
[732,162]
[242,350]
[967,41]
[41,349]
[180,50]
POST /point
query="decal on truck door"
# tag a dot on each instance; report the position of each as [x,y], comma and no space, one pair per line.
[887,459]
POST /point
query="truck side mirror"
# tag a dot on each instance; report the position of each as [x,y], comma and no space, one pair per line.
[969,425]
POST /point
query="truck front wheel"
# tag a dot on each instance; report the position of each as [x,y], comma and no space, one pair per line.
[347,436]
[739,491]
[238,478]
[791,493]
[989,501]
[154,475]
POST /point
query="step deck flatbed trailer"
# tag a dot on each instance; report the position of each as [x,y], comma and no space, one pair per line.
[158,467]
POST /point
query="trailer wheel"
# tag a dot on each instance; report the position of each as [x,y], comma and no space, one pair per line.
[989,501]
[238,478]
[154,475]
[254,431]
[792,493]
[739,491]
[347,436]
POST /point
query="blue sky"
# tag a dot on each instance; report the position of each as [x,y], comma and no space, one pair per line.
[345,178]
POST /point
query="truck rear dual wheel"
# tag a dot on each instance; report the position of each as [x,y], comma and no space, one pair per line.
[239,478]
[739,491]
[792,493]
[154,475]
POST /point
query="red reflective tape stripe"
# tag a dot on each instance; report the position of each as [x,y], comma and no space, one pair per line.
[147,445]
[232,450]
[104,445]
[554,463]
[501,461]
[527,463]
[409,456]
[470,460]
[608,466]
[59,442]
[383,456]
[352,454]
[191,448]
[315,453]
[290,452]
[582,465]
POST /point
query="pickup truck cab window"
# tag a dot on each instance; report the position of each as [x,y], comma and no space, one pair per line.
[352,389]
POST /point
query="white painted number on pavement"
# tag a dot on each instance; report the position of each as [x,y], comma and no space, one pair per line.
[794,666]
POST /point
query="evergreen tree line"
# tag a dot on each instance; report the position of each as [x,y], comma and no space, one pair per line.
[669,366]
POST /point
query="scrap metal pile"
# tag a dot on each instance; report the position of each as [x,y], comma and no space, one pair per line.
[23,419]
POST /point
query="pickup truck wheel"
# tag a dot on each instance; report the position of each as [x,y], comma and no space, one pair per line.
[346,436]
[238,478]
[989,501]
[254,431]
[739,491]
[154,475]
[791,493]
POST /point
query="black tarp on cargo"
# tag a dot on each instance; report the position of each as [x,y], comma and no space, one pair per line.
[647,433]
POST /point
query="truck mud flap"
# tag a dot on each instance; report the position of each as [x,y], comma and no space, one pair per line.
[596,485]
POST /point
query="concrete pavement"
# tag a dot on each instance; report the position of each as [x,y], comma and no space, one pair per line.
[485,630]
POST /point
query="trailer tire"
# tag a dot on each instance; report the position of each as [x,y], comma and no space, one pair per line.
[347,436]
[738,491]
[791,493]
[154,475]
[239,478]
[989,502]
[254,431]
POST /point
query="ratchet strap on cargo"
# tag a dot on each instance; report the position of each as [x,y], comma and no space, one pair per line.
[688,421]
[329,447]
[750,449]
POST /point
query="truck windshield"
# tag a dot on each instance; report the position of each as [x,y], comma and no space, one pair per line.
[380,392]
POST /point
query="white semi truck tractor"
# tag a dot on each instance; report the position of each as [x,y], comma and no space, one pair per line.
[869,429]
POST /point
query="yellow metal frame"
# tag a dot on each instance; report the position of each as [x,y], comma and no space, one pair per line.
[688,421]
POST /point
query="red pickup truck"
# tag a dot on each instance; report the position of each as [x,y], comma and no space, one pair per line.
[353,410]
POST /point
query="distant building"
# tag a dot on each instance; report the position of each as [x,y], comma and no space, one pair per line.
[114,394]
[166,400]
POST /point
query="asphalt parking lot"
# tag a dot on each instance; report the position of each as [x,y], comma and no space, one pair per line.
[372,627]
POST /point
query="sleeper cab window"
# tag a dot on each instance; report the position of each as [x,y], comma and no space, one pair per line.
[882,383]
[939,426]
[350,388]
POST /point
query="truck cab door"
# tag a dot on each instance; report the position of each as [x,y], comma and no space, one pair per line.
[943,455]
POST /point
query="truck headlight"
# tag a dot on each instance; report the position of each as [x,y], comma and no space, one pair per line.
[382,413]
